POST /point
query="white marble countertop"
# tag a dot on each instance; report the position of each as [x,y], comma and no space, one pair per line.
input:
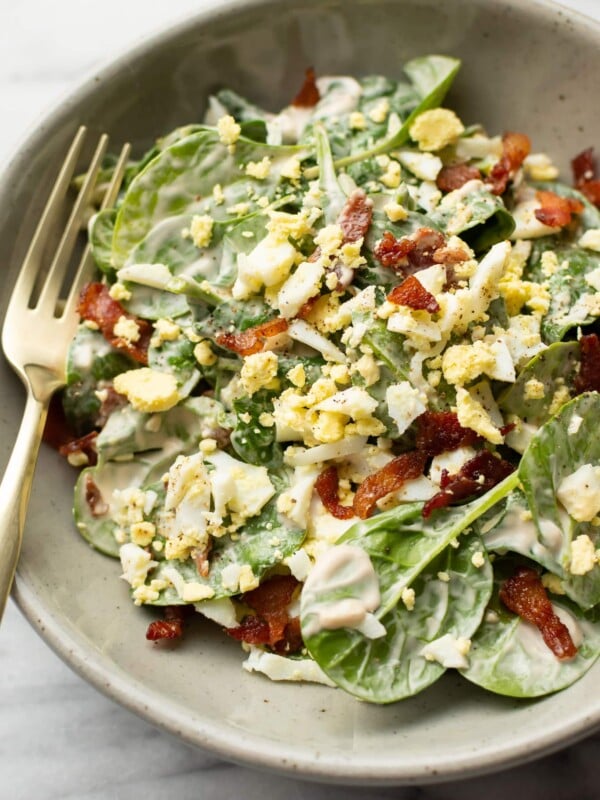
[59,738]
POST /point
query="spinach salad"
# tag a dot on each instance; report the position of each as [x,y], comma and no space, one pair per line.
[336,389]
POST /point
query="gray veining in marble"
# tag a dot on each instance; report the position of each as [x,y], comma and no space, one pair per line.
[59,738]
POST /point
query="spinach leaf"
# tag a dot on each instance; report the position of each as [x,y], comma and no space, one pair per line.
[556,368]
[253,441]
[263,543]
[402,547]
[334,197]
[176,358]
[565,443]
[391,668]
[480,218]
[100,234]
[181,178]
[508,656]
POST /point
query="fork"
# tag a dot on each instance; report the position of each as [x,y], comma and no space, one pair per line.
[37,331]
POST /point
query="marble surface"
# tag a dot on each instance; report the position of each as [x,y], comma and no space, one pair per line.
[59,738]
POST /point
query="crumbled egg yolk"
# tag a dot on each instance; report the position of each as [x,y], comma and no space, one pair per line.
[127,329]
[119,292]
[357,121]
[258,371]
[471,414]
[229,130]
[395,212]
[259,169]
[435,129]
[148,389]
[201,229]
[204,355]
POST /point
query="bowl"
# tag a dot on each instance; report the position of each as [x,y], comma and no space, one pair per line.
[527,66]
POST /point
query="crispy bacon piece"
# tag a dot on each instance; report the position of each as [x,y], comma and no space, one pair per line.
[112,400]
[390,478]
[515,149]
[585,175]
[96,305]
[307,307]
[93,497]
[292,640]
[308,96]
[413,294]
[456,175]
[86,445]
[271,624]
[201,559]
[253,339]
[524,594]
[410,253]
[450,256]
[355,217]
[327,488]
[475,477]
[556,211]
[171,627]
[588,378]
[440,431]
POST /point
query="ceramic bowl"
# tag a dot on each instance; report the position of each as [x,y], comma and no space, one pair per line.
[528,66]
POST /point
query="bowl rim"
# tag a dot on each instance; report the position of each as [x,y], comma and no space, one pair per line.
[230,743]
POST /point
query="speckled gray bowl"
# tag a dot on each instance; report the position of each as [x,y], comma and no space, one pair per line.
[528,66]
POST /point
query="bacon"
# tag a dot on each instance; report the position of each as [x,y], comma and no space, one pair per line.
[410,253]
[456,175]
[413,294]
[476,477]
[440,431]
[308,96]
[171,627]
[515,149]
[556,211]
[585,175]
[96,305]
[253,339]
[85,445]
[584,166]
[111,401]
[201,559]
[93,497]
[271,624]
[355,217]
[390,478]
[327,485]
[450,256]
[307,307]
[524,594]
[588,378]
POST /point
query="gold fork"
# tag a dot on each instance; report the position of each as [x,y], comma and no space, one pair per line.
[37,331]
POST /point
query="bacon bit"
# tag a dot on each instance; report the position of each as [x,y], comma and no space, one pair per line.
[588,378]
[271,624]
[56,430]
[201,559]
[307,307]
[390,478]
[556,211]
[450,256]
[93,498]
[506,429]
[525,595]
[86,445]
[292,640]
[413,294]
[308,96]
[253,339]
[171,627]
[585,175]
[111,402]
[515,149]
[355,217]
[327,485]
[475,477]
[440,431]
[410,253]
[96,305]
[456,175]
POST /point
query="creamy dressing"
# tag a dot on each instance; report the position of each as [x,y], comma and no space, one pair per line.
[342,591]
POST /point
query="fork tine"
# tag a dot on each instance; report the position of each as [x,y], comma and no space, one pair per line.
[60,262]
[28,274]
[86,262]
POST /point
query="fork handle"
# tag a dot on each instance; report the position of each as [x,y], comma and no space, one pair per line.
[15,489]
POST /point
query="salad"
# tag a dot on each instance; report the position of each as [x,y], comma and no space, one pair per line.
[336,389]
